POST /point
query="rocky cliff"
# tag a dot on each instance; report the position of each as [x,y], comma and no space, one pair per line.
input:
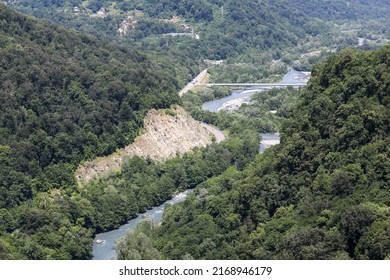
[166,133]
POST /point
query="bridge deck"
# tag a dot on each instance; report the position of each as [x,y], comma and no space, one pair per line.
[256,85]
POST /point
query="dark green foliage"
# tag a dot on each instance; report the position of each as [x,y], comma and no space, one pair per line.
[258,115]
[64,97]
[197,10]
[137,245]
[251,32]
[57,225]
[323,193]
[143,183]
[353,223]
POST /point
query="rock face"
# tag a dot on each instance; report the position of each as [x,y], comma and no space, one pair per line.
[167,133]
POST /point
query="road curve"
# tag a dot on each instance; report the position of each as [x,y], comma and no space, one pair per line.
[219,135]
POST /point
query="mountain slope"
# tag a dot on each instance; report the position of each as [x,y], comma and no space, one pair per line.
[253,32]
[323,193]
[167,133]
[66,97]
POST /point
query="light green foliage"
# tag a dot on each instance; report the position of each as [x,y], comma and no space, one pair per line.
[249,35]
[136,245]
[256,116]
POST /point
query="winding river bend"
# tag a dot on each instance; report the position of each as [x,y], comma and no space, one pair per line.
[105,250]
[239,96]
[104,242]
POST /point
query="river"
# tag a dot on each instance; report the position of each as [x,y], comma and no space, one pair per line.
[240,96]
[268,140]
[105,250]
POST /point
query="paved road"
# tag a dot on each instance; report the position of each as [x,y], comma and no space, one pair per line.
[197,81]
[219,135]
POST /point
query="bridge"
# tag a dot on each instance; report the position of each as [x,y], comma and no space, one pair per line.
[265,85]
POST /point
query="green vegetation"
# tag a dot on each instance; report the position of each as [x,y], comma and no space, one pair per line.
[265,112]
[64,97]
[323,193]
[249,35]
[143,183]
[264,71]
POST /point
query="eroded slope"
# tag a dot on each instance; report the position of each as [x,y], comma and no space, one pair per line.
[167,133]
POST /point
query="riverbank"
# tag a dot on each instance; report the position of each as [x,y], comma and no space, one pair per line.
[241,96]
[105,250]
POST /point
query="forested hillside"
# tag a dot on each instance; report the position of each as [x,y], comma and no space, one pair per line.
[241,32]
[64,97]
[67,97]
[323,193]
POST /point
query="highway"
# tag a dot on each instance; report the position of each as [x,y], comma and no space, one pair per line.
[197,81]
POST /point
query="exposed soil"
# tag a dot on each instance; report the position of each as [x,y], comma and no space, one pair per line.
[166,133]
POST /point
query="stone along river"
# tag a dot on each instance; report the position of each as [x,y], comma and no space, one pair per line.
[103,243]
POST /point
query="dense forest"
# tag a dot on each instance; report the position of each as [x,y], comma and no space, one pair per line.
[323,193]
[247,31]
[64,97]
[67,97]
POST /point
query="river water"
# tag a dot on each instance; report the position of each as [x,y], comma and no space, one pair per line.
[105,250]
[240,96]
[268,140]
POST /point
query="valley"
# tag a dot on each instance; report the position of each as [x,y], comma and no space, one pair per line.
[111,109]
